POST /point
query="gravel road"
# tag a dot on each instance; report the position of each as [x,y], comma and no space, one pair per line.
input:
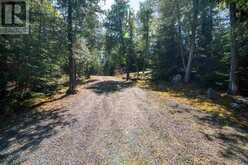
[114,122]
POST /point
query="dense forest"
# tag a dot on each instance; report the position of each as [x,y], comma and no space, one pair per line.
[203,42]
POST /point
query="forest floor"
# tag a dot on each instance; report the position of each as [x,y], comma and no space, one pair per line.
[111,121]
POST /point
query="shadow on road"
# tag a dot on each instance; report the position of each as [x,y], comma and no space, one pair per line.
[106,87]
[29,131]
[234,139]
[227,127]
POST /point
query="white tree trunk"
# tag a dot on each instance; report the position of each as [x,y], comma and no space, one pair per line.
[192,43]
[233,87]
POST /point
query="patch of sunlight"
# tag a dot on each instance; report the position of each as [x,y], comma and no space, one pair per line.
[198,101]
[202,104]
[35,99]
[143,84]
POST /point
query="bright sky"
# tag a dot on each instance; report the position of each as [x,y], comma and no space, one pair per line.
[134,4]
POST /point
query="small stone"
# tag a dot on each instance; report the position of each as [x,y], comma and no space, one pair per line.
[235,106]
[177,79]
[172,104]
[161,86]
[212,94]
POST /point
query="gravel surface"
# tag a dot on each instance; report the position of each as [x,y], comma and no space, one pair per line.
[114,122]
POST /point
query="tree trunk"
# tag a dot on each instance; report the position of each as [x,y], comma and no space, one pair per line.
[211,27]
[72,81]
[147,43]
[233,87]
[187,77]
[3,68]
[137,69]
[180,42]
[40,29]
[128,75]
[128,66]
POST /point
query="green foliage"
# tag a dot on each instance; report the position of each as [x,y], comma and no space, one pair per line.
[26,59]
[165,59]
[117,33]
[145,17]
[211,62]
[29,63]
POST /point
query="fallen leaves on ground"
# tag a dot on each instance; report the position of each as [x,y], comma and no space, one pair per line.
[198,101]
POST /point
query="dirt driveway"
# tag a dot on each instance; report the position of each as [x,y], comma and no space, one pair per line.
[114,122]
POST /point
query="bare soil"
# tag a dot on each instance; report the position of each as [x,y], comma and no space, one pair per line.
[114,122]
